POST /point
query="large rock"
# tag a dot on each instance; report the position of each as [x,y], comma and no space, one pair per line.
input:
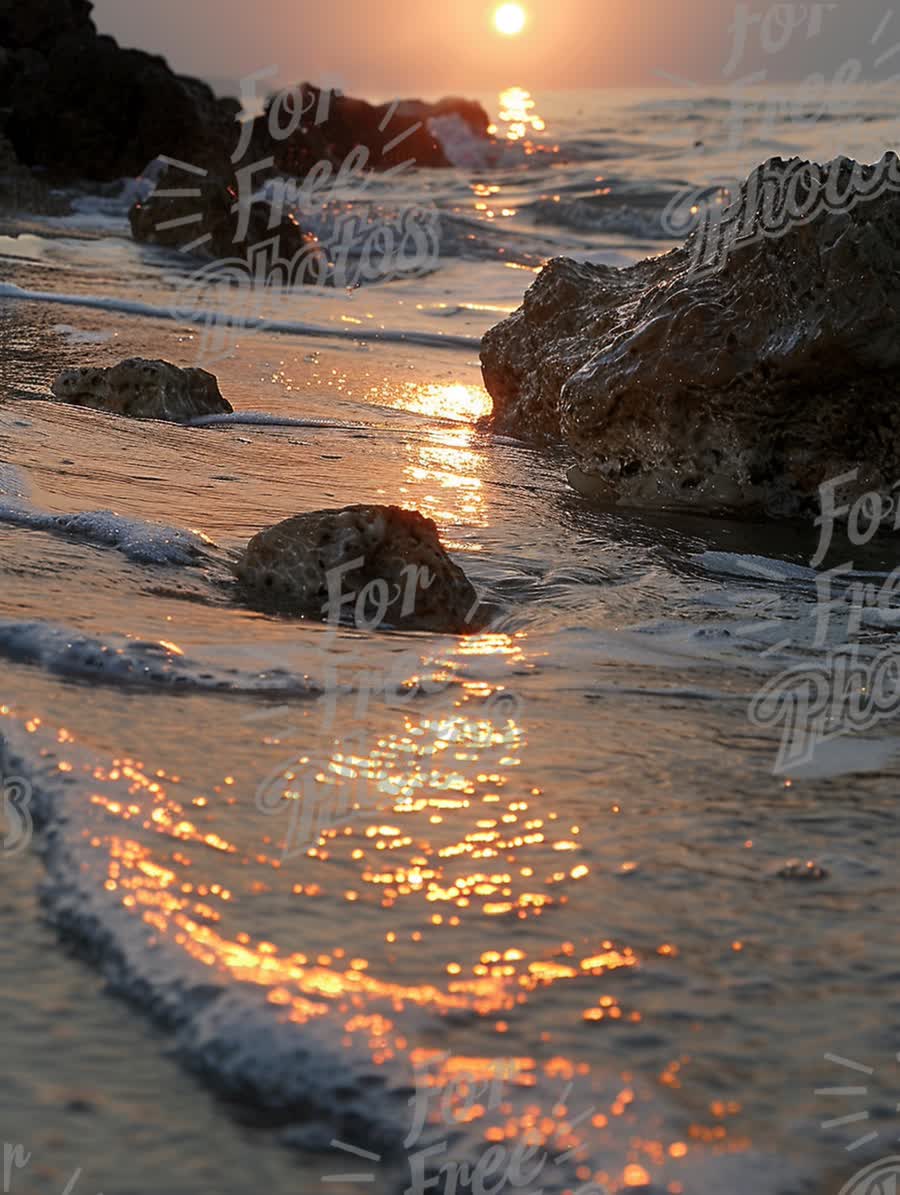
[83,108]
[738,388]
[143,390]
[392,134]
[21,191]
[159,219]
[37,24]
[303,567]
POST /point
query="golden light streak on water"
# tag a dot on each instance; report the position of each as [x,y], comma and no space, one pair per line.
[488,861]
[518,114]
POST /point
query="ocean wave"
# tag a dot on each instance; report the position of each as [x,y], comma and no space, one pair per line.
[9,290]
[120,661]
[306,1046]
[141,541]
[763,568]
[583,215]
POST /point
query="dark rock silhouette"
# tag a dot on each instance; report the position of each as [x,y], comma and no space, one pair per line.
[392,134]
[86,109]
[82,107]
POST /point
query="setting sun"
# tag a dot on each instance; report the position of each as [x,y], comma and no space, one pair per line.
[510,19]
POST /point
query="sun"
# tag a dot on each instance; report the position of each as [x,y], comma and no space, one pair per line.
[510,19]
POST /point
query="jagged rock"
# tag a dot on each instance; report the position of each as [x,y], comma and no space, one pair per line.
[143,390]
[151,219]
[739,388]
[82,107]
[301,567]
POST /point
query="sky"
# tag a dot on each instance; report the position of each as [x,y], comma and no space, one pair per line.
[382,48]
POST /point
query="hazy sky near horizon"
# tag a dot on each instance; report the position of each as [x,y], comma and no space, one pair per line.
[382,48]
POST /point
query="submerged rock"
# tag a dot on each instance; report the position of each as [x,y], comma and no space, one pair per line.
[807,871]
[143,390]
[737,388]
[206,222]
[375,565]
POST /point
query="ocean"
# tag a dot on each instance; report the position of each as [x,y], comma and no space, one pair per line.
[323,908]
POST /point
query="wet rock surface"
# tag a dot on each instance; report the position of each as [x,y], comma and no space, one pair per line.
[372,565]
[741,389]
[143,390]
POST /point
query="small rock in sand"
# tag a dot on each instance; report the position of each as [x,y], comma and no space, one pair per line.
[375,565]
[143,390]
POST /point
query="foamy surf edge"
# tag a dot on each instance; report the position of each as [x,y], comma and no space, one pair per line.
[136,663]
[139,540]
[9,290]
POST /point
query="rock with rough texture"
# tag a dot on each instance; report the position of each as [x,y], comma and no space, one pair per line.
[372,565]
[742,388]
[215,233]
[143,390]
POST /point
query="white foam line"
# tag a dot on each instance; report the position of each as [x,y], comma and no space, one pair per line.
[264,419]
[261,418]
[9,290]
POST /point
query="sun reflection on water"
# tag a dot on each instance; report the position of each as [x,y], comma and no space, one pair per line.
[440,400]
[461,856]
[518,114]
